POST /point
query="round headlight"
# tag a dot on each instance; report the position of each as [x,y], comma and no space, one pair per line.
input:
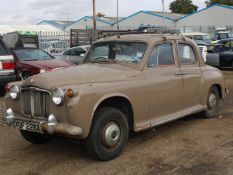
[14,92]
[58,96]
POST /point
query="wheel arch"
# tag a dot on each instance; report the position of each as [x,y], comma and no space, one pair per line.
[118,101]
[219,87]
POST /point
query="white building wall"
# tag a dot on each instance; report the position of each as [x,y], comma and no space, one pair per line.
[145,19]
[87,23]
[215,16]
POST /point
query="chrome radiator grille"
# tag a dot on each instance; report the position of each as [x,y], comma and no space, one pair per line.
[35,102]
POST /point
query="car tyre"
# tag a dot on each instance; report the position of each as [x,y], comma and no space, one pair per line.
[35,138]
[109,134]
[212,103]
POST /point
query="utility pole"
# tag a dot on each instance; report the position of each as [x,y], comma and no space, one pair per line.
[163,14]
[117,16]
[94,15]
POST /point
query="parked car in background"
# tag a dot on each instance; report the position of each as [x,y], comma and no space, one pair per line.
[7,73]
[224,35]
[30,61]
[203,48]
[222,54]
[198,36]
[128,82]
[74,54]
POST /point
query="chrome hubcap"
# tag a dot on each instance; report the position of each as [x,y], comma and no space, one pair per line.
[212,100]
[111,135]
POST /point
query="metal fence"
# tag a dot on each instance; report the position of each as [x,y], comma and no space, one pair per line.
[54,42]
[59,41]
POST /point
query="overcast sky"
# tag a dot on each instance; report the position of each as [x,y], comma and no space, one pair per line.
[34,11]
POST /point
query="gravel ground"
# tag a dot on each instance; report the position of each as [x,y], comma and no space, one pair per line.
[190,146]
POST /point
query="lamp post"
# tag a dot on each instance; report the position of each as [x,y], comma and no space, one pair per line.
[94,15]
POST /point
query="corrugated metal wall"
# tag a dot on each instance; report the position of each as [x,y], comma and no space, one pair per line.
[145,19]
[215,16]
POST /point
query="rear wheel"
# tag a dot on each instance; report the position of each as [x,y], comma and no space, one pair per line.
[109,134]
[212,103]
[35,138]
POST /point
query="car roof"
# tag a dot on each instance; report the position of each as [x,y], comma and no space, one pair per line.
[82,46]
[142,38]
[227,39]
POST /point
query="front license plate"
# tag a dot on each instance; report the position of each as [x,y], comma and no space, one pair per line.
[27,126]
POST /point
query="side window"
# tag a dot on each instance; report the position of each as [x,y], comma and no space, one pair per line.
[162,55]
[228,46]
[76,51]
[66,52]
[186,54]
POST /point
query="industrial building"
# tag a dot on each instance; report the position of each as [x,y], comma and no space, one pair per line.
[216,16]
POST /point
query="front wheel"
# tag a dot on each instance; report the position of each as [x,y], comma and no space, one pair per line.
[35,138]
[212,103]
[109,134]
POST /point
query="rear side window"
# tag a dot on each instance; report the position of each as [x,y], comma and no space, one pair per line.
[3,49]
[162,55]
[186,54]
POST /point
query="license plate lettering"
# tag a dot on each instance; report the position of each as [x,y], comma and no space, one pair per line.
[28,126]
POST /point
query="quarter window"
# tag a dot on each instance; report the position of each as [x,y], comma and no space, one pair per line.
[186,54]
[162,55]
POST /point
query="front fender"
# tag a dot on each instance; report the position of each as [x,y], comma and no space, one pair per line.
[212,77]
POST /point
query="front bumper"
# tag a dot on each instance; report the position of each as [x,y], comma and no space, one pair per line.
[47,126]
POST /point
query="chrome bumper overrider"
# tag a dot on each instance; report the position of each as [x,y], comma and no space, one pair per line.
[50,125]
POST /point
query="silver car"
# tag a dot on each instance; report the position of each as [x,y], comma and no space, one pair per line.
[74,54]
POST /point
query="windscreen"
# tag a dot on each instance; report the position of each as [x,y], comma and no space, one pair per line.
[130,52]
[32,55]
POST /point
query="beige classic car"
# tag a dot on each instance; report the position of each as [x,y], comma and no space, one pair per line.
[126,83]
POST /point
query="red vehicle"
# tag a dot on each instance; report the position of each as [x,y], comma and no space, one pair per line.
[31,61]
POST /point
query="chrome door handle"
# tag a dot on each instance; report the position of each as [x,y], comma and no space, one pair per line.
[184,73]
[178,73]
[181,73]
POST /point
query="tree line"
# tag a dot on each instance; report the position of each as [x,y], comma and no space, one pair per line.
[187,6]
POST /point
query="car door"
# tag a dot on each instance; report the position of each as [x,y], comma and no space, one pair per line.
[191,73]
[226,56]
[165,84]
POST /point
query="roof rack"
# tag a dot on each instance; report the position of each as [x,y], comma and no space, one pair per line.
[141,30]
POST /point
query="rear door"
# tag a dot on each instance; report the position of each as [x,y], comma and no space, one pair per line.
[191,73]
